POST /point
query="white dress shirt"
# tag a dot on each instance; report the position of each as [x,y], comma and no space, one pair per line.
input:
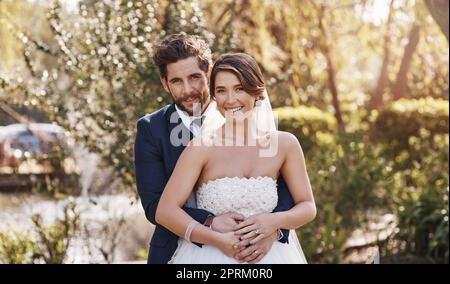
[187,119]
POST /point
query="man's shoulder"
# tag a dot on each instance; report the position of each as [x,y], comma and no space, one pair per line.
[154,118]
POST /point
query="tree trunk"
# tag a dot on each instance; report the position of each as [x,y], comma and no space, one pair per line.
[439,11]
[383,81]
[331,71]
[400,86]
[333,90]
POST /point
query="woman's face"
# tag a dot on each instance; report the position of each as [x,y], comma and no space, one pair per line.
[232,101]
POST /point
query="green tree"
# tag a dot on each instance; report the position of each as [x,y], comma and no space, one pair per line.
[104,78]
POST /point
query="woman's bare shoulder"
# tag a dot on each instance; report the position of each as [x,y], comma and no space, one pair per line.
[287,141]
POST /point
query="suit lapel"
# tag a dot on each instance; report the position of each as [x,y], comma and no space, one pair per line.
[174,120]
[176,126]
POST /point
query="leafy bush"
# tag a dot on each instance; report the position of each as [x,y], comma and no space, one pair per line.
[15,248]
[310,125]
[49,246]
[420,201]
[348,178]
[400,124]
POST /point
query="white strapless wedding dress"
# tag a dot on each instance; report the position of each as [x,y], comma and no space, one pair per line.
[247,196]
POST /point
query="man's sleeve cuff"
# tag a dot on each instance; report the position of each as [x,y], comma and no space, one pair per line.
[280,235]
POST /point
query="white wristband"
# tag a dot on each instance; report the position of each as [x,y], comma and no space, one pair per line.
[190,228]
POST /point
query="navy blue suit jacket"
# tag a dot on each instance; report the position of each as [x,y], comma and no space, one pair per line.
[155,158]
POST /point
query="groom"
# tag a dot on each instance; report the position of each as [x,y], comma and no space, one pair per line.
[184,62]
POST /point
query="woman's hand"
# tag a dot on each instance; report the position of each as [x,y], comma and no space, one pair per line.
[257,227]
[226,242]
[254,253]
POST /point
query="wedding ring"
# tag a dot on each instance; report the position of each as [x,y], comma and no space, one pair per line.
[257,232]
[256,252]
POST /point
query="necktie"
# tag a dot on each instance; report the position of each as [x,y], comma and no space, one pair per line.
[198,121]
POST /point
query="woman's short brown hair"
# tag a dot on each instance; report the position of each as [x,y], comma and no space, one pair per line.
[181,46]
[244,67]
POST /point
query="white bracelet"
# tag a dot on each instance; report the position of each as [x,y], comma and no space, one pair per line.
[190,228]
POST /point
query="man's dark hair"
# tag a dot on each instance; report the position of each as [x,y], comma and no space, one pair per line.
[181,46]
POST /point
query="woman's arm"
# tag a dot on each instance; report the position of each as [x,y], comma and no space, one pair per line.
[180,185]
[295,174]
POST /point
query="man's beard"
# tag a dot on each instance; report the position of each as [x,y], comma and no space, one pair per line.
[197,106]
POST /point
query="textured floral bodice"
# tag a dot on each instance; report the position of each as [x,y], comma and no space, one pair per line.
[247,196]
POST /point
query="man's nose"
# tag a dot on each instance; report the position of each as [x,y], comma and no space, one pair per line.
[187,87]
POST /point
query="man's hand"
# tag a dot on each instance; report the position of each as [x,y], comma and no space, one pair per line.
[226,222]
[226,242]
[256,227]
[254,253]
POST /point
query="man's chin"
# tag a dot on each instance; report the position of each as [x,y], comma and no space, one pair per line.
[185,109]
[191,108]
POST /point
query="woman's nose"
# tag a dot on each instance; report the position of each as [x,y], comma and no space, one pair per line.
[230,97]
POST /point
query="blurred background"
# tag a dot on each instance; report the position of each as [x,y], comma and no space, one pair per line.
[363,84]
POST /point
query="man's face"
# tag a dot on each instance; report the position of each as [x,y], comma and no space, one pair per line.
[188,85]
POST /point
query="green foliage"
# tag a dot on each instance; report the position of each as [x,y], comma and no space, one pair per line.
[310,125]
[351,177]
[142,254]
[423,225]
[402,125]
[92,73]
[15,248]
[399,121]
[50,244]
[53,240]
[420,201]
[104,78]
[348,178]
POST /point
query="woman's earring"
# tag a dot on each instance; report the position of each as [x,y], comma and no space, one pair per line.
[257,103]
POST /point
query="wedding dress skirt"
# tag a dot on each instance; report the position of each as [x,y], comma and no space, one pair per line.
[247,196]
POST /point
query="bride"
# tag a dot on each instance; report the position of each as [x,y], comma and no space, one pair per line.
[233,167]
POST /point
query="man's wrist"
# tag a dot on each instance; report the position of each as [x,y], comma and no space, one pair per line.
[209,221]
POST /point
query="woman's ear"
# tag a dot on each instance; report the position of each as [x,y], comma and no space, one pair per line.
[257,102]
[259,99]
